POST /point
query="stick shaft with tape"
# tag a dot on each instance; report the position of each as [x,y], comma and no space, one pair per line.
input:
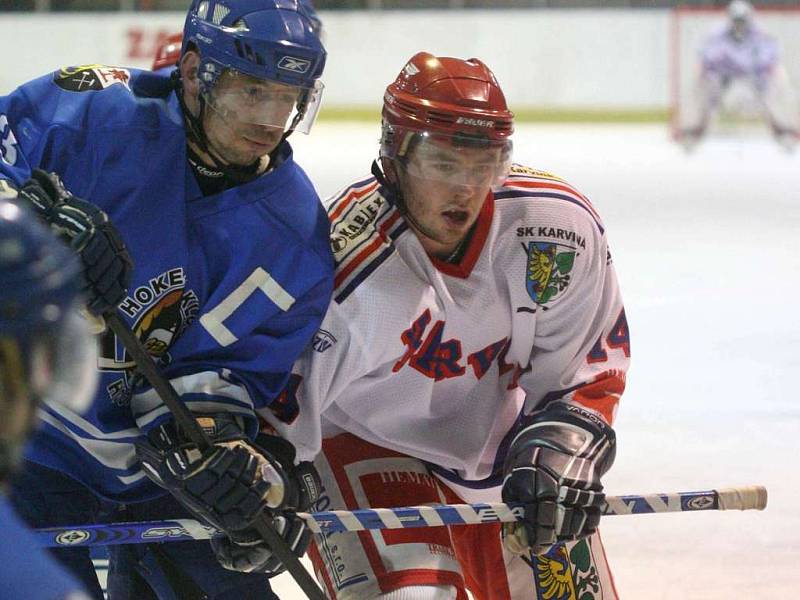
[741,498]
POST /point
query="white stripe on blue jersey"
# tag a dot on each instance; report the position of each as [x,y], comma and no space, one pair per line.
[148,406]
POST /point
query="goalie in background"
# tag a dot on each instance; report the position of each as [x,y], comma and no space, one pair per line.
[741,51]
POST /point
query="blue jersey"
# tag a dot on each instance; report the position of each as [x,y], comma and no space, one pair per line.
[27,571]
[227,288]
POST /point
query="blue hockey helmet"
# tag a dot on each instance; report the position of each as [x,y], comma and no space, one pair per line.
[39,276]
[271,40]
[316,22]
[46,351]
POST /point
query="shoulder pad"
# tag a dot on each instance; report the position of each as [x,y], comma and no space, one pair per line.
[357,225]
[353,214]
[87,78]
[523,170]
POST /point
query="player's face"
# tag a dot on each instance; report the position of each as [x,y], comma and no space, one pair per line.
[444,188]
[247,116]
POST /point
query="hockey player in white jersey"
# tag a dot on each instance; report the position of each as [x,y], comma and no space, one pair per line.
[475,350]
[741,52]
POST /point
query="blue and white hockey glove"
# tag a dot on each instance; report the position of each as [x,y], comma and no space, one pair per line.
[553,468]
[107,265]
[231,484]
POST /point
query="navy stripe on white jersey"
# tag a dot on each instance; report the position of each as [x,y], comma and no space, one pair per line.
[517,192]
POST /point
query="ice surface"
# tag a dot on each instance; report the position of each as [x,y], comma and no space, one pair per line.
[707,248]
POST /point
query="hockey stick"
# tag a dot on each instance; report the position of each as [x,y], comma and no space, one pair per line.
[178,530]
[185,420]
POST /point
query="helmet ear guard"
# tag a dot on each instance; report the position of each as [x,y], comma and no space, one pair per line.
[387,159]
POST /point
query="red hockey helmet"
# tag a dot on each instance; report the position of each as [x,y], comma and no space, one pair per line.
[446,99]
[168,53]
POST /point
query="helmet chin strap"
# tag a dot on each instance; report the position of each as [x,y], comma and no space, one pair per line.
[396,194]
[196,133]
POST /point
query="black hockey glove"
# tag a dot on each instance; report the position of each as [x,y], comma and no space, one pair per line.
[223,486]
[246,550]
[553,468]
[231,484]
[107,265]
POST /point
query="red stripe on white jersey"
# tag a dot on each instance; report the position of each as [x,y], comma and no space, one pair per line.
[380,238]
[338,206]
[603,393]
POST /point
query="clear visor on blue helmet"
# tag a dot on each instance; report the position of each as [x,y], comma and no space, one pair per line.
[54,364]
[64,366]
[244,99]
[459,159]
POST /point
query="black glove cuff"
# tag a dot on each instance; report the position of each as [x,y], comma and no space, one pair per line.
[565,428]
[309,485]
[218,427]
[304,490]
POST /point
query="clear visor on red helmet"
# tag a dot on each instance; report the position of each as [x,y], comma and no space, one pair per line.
[245,100]
[459,159]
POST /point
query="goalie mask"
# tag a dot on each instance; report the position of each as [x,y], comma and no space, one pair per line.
[446,120]
[740,13]
[46,351]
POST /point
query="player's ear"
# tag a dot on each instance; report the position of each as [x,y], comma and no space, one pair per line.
[189,64]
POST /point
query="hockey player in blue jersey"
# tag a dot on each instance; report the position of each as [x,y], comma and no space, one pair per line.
[233,274]
[46,355]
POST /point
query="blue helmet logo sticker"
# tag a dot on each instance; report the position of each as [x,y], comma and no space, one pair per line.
[294,64]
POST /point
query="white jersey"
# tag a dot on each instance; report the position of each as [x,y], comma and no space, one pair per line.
[442,361]
[754,55]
